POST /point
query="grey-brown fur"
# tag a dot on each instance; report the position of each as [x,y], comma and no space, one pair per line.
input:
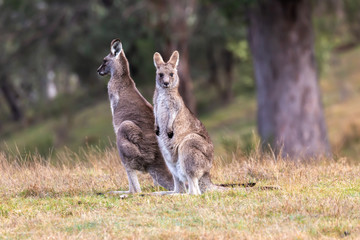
[133,122]
[183,139]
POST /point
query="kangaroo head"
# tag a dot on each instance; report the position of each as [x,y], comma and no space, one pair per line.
[166,73]
[113,60]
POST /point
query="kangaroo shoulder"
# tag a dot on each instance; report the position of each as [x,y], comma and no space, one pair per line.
[155,97]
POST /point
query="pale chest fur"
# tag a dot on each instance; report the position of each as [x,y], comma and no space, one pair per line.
[162,114]
[165,109]
[114,100]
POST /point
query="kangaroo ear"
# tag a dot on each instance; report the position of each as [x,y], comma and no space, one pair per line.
[174,59]
[158,60]
[115,47]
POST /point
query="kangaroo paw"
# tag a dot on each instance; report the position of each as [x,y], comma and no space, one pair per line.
[157,130]
[170,134]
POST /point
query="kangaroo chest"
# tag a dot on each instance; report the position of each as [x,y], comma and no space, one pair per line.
[165,109]
[168,109]
[114,100]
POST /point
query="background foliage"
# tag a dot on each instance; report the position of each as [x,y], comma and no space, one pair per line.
[47,45]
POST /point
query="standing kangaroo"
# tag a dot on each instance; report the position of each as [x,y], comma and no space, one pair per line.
[183,139]
[133,122]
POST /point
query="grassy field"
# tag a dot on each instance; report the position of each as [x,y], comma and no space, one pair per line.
[61,195]
[67,201]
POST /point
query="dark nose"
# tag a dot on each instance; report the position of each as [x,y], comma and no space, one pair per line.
[166,84]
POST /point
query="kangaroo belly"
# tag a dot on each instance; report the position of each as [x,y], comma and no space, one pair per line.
[177,170]
[167,154]
[162,113]
[162,117]
[170,155]
[169,146]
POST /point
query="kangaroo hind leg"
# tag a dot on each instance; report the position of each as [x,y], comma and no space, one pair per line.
[134,186]
[193,186]
[194,160]
[128,137]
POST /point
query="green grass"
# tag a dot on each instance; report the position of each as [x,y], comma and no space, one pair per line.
[229,126]
[341,95]
[90,127]
[233,126]
[233,214]
[318,200]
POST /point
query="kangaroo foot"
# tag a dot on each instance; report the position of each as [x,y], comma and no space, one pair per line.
[120,194]
[166,193]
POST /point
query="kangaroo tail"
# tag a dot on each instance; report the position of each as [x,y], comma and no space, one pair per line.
[233,185]
[206,184]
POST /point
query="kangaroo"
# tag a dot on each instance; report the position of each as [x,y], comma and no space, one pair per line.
[133,122]
[184,142]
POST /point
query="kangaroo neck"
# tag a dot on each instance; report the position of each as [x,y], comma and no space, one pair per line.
[168,91]
[120,82]
[120,76]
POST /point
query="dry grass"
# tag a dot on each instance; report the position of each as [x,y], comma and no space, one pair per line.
[42,200]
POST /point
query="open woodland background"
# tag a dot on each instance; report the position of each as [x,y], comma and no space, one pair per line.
[51,98]
[270,80]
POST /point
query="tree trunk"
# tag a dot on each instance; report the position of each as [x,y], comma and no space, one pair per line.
[180,12]
[174,26]
[213,68]
[228,62]
[223,86]
[290,114]
[186,84]
[10,97]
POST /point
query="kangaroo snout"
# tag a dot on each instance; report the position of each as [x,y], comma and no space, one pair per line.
[100,71]
[166,84]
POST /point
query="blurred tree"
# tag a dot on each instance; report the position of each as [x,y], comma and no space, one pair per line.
[66,38]
[217,31]
[23,29]
[221,33]
[39,37]
[174,23]
[290,114]
[352,9]
[11,97]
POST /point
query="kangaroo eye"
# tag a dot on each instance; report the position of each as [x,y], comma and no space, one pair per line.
[161,75]
[171,74]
